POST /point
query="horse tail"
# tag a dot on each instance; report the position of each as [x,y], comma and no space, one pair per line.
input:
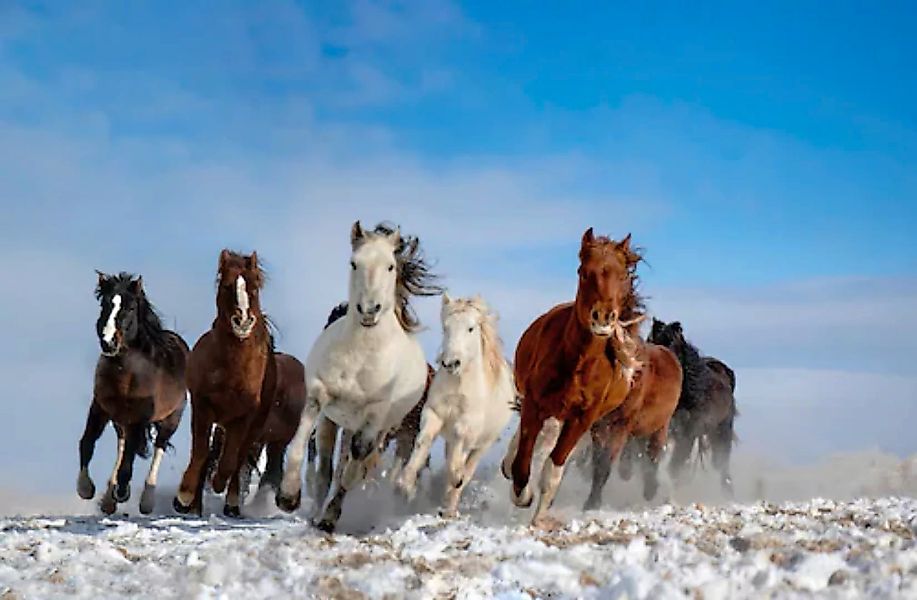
[337,313]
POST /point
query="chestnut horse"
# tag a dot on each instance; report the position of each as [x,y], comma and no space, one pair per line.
[232,374]
[644,417]
[575,364]
[139,384]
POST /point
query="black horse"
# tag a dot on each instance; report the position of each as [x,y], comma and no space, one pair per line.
[707,407]
[139,387]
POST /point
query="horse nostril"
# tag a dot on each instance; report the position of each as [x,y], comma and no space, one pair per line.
[457,363]
[377,308]
[360,308]
[595,315]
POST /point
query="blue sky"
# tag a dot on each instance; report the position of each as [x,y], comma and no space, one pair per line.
[765,157]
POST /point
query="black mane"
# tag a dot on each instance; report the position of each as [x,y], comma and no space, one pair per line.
[165,348]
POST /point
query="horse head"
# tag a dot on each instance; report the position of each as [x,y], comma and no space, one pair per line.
[119,298]
[239,283]
[606,298]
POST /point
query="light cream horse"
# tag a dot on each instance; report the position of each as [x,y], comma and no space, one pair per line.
[470,399]
[367,370]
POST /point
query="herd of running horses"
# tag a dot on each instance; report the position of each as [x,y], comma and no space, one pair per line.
[580,367]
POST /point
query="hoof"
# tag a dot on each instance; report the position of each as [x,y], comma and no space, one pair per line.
[85,487]
[232,512]
[448,513]
[147,499]
[122,493]
[592,504]
[523,500]
[288,503]
[181,508]
[326,525]
[108,505]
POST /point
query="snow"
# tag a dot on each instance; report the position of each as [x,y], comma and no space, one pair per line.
[850,549]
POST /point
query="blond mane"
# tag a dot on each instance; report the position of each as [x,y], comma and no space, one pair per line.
[491,344]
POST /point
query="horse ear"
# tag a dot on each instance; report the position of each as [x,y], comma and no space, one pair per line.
[356,233]
[252,261]
[588,237]
[625,243]
[446,299]
[137,285]
[224,256]
[102,277]
[395,236]
[676,326]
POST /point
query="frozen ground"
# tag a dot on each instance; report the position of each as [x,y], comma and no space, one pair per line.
[781,548]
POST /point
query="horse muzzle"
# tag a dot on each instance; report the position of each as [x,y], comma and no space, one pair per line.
[242,328]
[112,348]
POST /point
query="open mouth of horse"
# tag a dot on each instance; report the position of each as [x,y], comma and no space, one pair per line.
[602,330]
[243,329]
[369,322]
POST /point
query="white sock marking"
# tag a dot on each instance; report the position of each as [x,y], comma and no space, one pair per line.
[154,467]
[118,456]
[108,332]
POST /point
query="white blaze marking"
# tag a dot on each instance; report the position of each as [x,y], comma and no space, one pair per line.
[242,297]
[108,332]
[154,467]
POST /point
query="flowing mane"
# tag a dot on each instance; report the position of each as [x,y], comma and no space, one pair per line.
[491,344]
[414,277]
[163,347]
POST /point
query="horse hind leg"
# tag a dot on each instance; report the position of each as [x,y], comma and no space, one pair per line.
[108,505]
[354,471]
[135,438]
[273,467]
[650,466]
[430,427]
[605,449]
[96,421]
[165,429]
[721,443]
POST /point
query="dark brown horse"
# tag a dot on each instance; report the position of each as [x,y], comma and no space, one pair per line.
[644,417]
[139,385]
[707,408]
[232,375]
[576,363]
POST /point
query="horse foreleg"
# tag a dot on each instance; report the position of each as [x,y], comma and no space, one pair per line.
[96,421]
[607,443]
[430,426]
[235,451]
[190,491]
[108,504]
[289,496]
[683,447]
[553,470]
[530,425]
[454,491]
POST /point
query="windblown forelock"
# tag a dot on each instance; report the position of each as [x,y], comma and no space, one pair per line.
[491,343]
[234,264]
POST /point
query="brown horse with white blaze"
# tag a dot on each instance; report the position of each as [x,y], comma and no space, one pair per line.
[575,364]
[232,377]
[139,385]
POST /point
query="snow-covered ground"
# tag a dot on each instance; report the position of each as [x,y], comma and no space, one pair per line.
[843,549]
[695,546]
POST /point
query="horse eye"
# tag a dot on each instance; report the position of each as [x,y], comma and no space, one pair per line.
[353,265]
[391,268]
[470,329]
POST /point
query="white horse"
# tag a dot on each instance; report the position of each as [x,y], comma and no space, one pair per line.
[470,399]
[367,370]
